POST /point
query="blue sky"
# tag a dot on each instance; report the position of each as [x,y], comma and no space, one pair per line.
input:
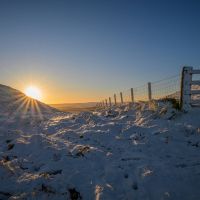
[90,49]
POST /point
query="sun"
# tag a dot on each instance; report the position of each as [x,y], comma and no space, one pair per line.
[33,92]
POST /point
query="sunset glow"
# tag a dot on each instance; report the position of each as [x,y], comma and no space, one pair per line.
[33,92]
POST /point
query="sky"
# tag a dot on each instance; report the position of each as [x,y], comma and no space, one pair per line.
[83,51]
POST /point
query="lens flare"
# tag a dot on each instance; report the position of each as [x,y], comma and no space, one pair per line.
[33,92]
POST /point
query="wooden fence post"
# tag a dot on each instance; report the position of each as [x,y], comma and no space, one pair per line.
[110,102]
[115,99]
[121,98]
[149,91]
[186,81]
[103,104]
[106,102]
[132,96]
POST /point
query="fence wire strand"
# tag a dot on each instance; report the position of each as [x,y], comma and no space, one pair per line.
[141,93]
[165,88]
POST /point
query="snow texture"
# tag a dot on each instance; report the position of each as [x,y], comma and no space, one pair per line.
[126,152]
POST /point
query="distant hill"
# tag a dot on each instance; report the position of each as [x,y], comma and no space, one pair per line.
[75,107]
[15,103]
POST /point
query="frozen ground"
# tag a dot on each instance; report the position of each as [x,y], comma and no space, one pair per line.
[122,153]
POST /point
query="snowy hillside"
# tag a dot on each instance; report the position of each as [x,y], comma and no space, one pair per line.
[14,103]
[122,153]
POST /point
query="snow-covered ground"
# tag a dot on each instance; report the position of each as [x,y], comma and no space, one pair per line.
[127,152]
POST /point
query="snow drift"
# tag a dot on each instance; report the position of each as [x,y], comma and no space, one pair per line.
[126,152]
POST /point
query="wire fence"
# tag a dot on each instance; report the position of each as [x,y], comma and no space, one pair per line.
[184,88]
[169,87]
[126,96]
[141,93]
[165,88]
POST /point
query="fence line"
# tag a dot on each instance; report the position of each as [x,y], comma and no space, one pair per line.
[166,88]
[169,87]
[159,89]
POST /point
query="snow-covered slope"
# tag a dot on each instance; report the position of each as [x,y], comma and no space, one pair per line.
[14,103]
[122,153]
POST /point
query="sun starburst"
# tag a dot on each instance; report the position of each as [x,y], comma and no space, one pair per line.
[33,92]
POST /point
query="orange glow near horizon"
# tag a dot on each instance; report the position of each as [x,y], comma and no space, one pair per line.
[62,98]
[49,92]
[54,91]
[58,95]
